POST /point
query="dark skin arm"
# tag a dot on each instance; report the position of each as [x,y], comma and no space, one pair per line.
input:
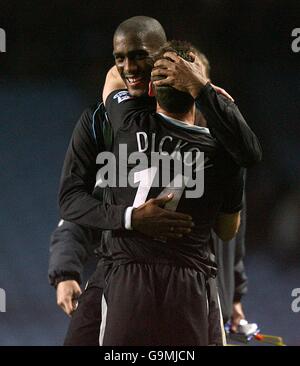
[153,220]
[189,77]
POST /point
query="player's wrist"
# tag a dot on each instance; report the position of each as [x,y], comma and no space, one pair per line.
[198,87]
[237,298]
[65,277]
[135,218]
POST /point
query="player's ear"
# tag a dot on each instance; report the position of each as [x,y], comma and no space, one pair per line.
[151,90]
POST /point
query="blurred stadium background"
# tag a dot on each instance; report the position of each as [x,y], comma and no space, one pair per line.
[57,55]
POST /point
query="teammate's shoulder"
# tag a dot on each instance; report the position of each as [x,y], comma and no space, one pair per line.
[118,96]
[122,95]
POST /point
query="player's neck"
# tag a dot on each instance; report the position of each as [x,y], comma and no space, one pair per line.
[188,117]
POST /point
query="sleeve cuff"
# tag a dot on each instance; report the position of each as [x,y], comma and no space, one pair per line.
[232,210]
[237,297]
[127,220]
[54,281]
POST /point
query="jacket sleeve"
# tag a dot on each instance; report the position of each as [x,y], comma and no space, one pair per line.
[78,181]
[229,127]
[240,277]
[70,247]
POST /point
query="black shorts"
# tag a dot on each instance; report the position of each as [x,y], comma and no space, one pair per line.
[159,305]
[85,323]
[84,326]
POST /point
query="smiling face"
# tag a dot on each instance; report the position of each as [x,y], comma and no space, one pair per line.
[132,53]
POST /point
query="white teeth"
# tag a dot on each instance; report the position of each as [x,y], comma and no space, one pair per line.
[134,80]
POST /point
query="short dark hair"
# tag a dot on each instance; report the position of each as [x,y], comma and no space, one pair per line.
[169,98]
[143,26]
